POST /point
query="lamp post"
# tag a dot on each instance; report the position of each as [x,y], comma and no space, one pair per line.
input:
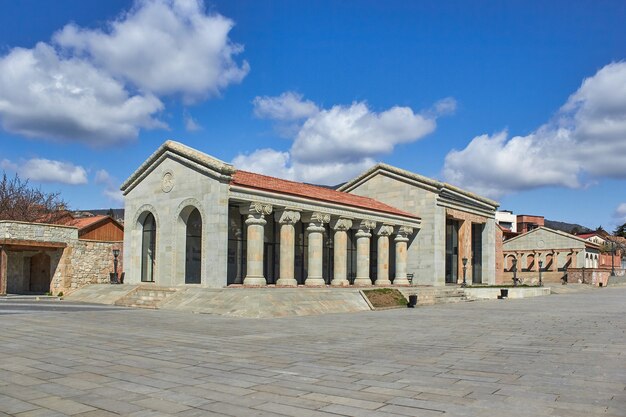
[540,269]
[464,260]
[116,253]
[515,272]
[612,258]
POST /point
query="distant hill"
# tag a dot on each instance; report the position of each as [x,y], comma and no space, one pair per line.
[567,227]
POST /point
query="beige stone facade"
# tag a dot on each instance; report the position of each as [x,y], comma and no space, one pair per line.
[456,225]
[257,230]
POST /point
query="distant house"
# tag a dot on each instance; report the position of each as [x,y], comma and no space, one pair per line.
[100,228]
[526,223]
[594,237]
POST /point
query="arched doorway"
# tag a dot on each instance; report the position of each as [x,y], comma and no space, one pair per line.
[193,248]
[148,246]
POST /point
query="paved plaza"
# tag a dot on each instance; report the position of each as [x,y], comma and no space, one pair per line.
[562,355]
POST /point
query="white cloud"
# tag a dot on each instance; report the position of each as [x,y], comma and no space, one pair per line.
[47,170]
[266,161]
[287,106]
[111,186]
[101,87]
[45,95]
[620,213]
[351,133]
[332,145]
[102,177]
[165,47]
[586,139]
[190,124]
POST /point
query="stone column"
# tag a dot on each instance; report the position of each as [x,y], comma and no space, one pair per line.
[340,248]
[382,266]
[287,219]
[256,228]
[465,251]
[3,271]
[315,232]
[555,261]
[402,239]
[237,232]
[363,236]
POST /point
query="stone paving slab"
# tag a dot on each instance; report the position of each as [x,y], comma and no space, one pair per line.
[544,356]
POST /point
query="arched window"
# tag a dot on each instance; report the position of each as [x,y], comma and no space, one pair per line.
[193,248]
[148,246]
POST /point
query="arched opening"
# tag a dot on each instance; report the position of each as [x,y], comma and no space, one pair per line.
[148,248]
[193,248]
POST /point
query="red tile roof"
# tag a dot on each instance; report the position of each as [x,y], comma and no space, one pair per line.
[586,235]
[263,182]
[84,222]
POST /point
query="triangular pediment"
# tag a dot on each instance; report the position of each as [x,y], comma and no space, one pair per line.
[184,154]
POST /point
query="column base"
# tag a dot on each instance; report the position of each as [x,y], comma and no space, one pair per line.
[401,281]
[382,282]
[286,282]
[340,283]
[255,281]
[363,282]
[314,282]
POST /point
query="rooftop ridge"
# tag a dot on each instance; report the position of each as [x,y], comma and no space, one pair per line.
[251,180]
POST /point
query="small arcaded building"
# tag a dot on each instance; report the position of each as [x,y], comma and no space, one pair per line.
[557,251]
[192,219]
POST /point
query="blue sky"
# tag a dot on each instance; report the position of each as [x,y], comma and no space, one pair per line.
[487,95]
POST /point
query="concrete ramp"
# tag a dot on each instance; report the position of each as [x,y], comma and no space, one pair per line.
[100,293]
[266,302]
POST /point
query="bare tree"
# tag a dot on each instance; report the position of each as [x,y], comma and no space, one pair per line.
[21,202]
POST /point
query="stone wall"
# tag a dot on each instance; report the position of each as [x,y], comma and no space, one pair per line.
[89,262]
[592,276]
[37,232]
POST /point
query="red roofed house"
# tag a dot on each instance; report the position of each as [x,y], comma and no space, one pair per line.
[193,219]
[100,228]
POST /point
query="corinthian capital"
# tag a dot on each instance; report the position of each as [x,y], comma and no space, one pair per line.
[384,230]
[287,216]
[367,225]
[341,224]
[316,217]
[256,209]
[405,231]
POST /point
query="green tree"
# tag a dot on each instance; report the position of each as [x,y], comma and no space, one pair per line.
[620,231]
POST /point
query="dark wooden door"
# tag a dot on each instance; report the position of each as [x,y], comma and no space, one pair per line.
[40,273]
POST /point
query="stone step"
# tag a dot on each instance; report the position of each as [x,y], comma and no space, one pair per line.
[146,297]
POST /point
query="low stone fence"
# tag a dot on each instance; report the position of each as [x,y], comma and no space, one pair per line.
[592,276]
[492,293]
[532,277]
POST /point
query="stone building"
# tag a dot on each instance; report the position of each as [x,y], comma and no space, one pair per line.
[558,252]
[38,258]
[456,224]
[193,219]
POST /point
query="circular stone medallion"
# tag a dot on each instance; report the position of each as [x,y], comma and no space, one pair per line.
[167,182]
